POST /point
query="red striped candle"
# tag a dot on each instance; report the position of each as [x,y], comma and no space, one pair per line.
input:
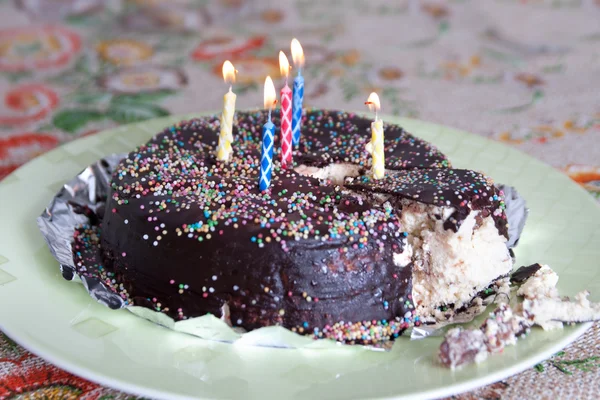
[286,127]
[286,114]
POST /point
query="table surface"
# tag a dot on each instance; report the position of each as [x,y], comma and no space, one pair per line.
[521,72]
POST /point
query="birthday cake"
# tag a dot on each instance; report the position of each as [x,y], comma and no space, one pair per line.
[326,250]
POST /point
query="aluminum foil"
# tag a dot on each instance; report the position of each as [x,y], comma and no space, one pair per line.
[81,201]
[516,212]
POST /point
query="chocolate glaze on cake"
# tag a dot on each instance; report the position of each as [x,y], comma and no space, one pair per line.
[186,235]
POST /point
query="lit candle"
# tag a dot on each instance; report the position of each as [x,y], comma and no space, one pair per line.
[266,160]
[298,57]
[285,114]
[224,149]
[375,146]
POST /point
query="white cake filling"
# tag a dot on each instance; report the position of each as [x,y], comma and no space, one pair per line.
[544,306]
[551,313]
[336,173]
[451,267]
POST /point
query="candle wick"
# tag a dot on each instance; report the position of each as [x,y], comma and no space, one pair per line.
[269,114]
[230,86]
[299,71]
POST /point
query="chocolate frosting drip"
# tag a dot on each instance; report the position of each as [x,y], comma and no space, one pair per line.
[186,235]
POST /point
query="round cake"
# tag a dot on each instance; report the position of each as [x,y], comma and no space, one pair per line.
[327,250]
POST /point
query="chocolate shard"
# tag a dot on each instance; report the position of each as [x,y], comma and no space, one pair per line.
[524,273]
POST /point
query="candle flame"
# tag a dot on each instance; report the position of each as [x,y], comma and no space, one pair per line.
[373,102]
[297,53]
[270,96]
[284,64]
[228,72]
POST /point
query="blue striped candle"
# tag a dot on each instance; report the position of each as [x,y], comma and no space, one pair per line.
[297,107]
[266,160]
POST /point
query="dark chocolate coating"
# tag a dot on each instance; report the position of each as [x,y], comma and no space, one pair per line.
[186,234]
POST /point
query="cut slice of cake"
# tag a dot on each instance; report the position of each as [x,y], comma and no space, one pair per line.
[457,233]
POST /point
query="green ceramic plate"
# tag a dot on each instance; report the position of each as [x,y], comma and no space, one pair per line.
[59,321]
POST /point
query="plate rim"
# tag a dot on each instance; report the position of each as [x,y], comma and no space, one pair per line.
[451,390]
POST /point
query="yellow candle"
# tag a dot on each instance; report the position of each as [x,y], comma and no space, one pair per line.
[224,148]
[375,146]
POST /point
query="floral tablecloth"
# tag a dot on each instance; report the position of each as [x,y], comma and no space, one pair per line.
[522,72]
